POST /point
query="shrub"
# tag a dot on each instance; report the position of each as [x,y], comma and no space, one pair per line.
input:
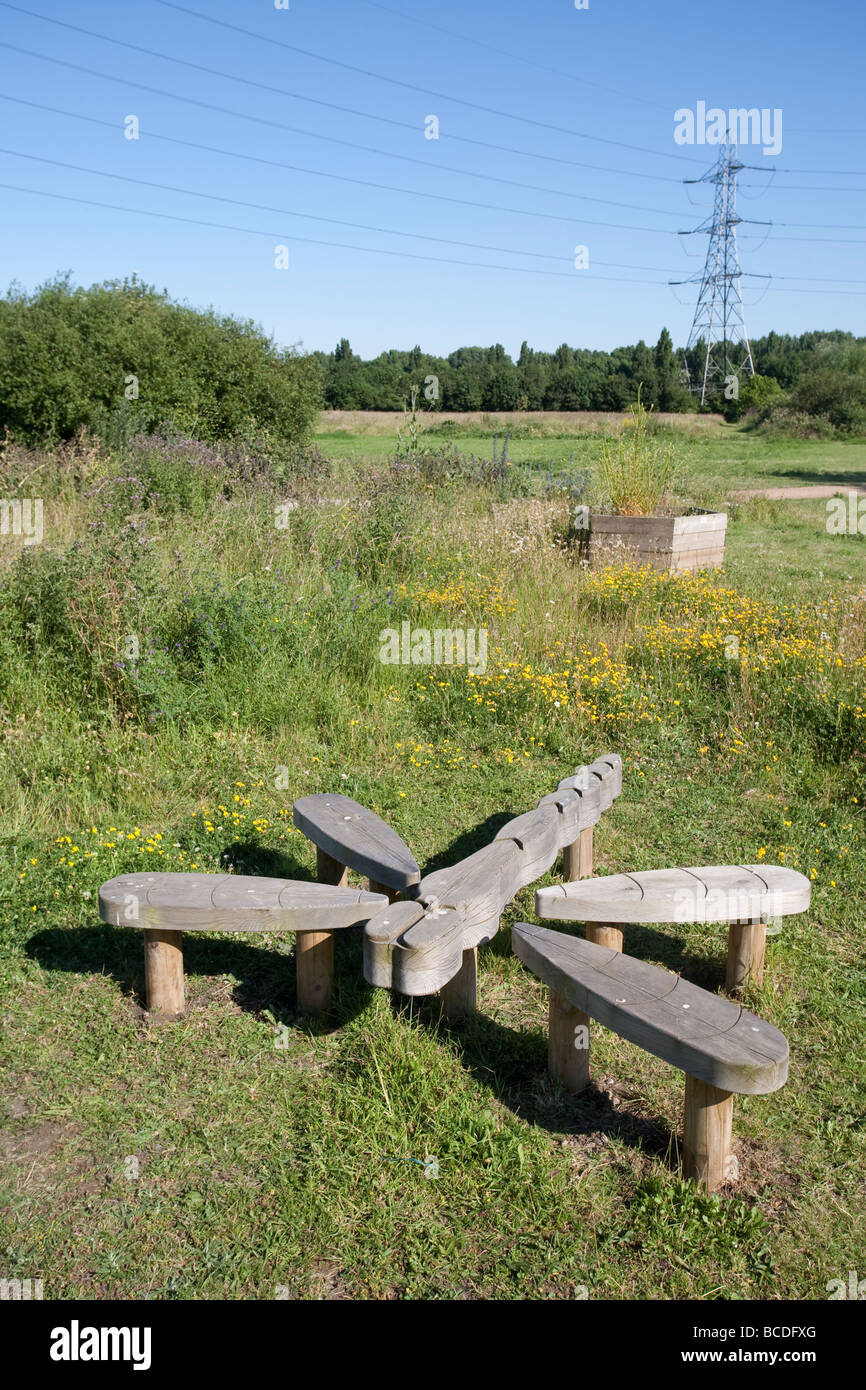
[829,395]
[121,359]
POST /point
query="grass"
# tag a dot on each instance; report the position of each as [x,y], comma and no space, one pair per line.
[246,1152]
[725,455]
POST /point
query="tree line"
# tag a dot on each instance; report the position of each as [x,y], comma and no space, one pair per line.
[122,358]
[487,378]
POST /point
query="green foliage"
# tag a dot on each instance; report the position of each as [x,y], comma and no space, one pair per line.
[828,394]
[486,379]
[834,387]
[637,473]
[478,378]
[690,1227]
[758,391]
[121,359]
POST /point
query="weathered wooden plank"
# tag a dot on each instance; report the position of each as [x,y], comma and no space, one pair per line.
[231,902]
[714,893]
[707,540]
[605,774]
[614,761]
[588,788]
[478,888]
[381,935]
[537,835]
[697,559]
[356,836]
[572,812]
[709,1042]
[632,528]
[429,953]
[700,524]
[577,853]
[663,529]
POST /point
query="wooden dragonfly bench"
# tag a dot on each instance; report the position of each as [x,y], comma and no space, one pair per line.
[431,944]
[746,896]
[721,1048]
[432,932]
[165,906]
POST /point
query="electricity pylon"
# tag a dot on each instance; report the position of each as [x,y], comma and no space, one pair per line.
[719,322]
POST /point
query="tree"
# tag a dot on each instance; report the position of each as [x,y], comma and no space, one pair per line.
[670,392]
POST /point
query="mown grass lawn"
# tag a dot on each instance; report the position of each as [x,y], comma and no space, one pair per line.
[726,455]
[246,1152]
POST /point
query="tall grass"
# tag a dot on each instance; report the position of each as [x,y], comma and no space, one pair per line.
[637,471]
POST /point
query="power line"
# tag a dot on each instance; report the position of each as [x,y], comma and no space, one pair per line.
[294,168]
[289,212]
[531,154]
[314,101]
[410,86]
[296,130]
[406,125]
[348,246]
[815,279]
[393,188]
[470,173]
[346,110]
[827,226]
[801,188]
[261,120]
[842,173]
[516,57]
[313,241]
[814,240]
[340,222]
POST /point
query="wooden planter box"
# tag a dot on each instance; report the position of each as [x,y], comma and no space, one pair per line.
[667,543]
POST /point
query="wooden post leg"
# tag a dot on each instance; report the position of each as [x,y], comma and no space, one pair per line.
[459,996]
[390,893]
[163,971]
[707,1133]
[746,946]
[577,857]
[605,934]
[567,1044]
[330,870]
[586,853]
[314,957]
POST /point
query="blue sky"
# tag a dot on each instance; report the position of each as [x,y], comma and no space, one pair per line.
[495,73]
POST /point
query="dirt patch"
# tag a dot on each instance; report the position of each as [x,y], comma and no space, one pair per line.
[327,1283]
[30,1151]
[796,494]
